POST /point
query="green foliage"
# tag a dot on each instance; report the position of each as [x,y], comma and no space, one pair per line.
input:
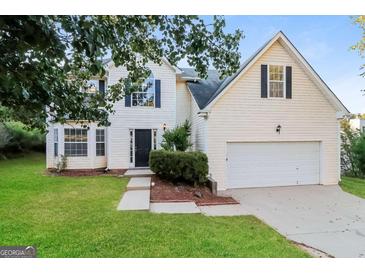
[177,165]
[62,163]
[359,153]
[352,150]
[16,137]
[360,45]
[45,61]
[177,138]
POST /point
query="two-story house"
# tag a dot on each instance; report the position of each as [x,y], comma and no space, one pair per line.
[273,123]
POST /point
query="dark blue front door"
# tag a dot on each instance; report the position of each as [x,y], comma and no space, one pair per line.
[142,147]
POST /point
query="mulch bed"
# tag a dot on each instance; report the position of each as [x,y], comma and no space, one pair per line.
[86,172]
[165,191]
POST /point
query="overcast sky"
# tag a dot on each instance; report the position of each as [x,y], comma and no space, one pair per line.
[324,41]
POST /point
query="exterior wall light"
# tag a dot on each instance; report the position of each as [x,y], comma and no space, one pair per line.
[278,128]
[164,126]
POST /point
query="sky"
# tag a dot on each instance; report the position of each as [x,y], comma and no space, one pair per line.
[324,41]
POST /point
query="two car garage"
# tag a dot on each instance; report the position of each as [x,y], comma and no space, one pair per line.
[266,164]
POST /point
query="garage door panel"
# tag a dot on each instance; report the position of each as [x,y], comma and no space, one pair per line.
[272,164]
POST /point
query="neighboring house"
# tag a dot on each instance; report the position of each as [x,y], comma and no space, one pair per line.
[273,123]
[358,124]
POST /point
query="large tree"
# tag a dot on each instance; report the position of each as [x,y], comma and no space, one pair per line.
[360,45]
[46,60]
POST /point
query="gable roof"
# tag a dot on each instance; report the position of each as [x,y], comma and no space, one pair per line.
[208,97]
[202,89]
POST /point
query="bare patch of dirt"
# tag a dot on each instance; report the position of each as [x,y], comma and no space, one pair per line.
[166,191]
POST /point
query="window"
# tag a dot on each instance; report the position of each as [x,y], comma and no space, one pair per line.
[146,96]
[75,142]
[100,142]
[276,81]
[155,139]
[92,86]
[131,154]
[55,140]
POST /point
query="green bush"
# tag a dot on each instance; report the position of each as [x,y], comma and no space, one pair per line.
[178,165]
[177,138]
[359,154]
[15,137]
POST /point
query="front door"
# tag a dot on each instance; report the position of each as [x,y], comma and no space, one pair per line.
[142,147]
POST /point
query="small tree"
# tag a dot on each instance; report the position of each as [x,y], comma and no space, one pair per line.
[177,138]
[348,139]
[358,150]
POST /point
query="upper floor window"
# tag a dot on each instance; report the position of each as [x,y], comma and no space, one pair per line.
[276,81]
[93,86]
[146,96]
[75,142]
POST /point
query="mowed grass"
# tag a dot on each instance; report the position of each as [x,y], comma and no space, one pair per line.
[77,217]
[354,186]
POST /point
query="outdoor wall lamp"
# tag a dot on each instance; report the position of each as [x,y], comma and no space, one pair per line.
[278,128]
[164,126]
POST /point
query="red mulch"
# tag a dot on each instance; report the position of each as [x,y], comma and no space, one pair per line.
[166,191]
[87,172]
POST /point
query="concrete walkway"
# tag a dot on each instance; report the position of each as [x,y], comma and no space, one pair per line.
[174,208]
[138,172]
[323,217]
[137,196]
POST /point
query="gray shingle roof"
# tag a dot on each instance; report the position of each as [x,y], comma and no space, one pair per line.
[206,90]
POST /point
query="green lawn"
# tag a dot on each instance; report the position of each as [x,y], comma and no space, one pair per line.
[354,186]
[77,217]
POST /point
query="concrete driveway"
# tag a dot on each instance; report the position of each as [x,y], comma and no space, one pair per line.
[323,217]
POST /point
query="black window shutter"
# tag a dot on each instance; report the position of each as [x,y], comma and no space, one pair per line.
[288,84]
[102,86]
[263,81]
[158,93]
[127,100]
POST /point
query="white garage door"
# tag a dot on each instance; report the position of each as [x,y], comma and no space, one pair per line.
[272,164]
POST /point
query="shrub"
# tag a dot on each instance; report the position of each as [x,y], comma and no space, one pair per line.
[61,163]
[15,137]
[358,150]
[177,138]
[177,165]
[348,139]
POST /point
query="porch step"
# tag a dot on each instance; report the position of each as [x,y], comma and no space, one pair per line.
[138,172]
[139,183]
[135,200]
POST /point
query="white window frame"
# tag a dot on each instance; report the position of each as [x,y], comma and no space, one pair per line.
[154,139]
[144,85]
[277,81]
[99,142]
[131,147]
[76,142]
[55,142]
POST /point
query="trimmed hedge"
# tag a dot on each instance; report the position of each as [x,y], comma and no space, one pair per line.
[178,165]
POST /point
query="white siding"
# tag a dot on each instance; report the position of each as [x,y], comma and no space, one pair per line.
[91,161]
[126,118]
[183,103]
[241,115]
[198,129]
